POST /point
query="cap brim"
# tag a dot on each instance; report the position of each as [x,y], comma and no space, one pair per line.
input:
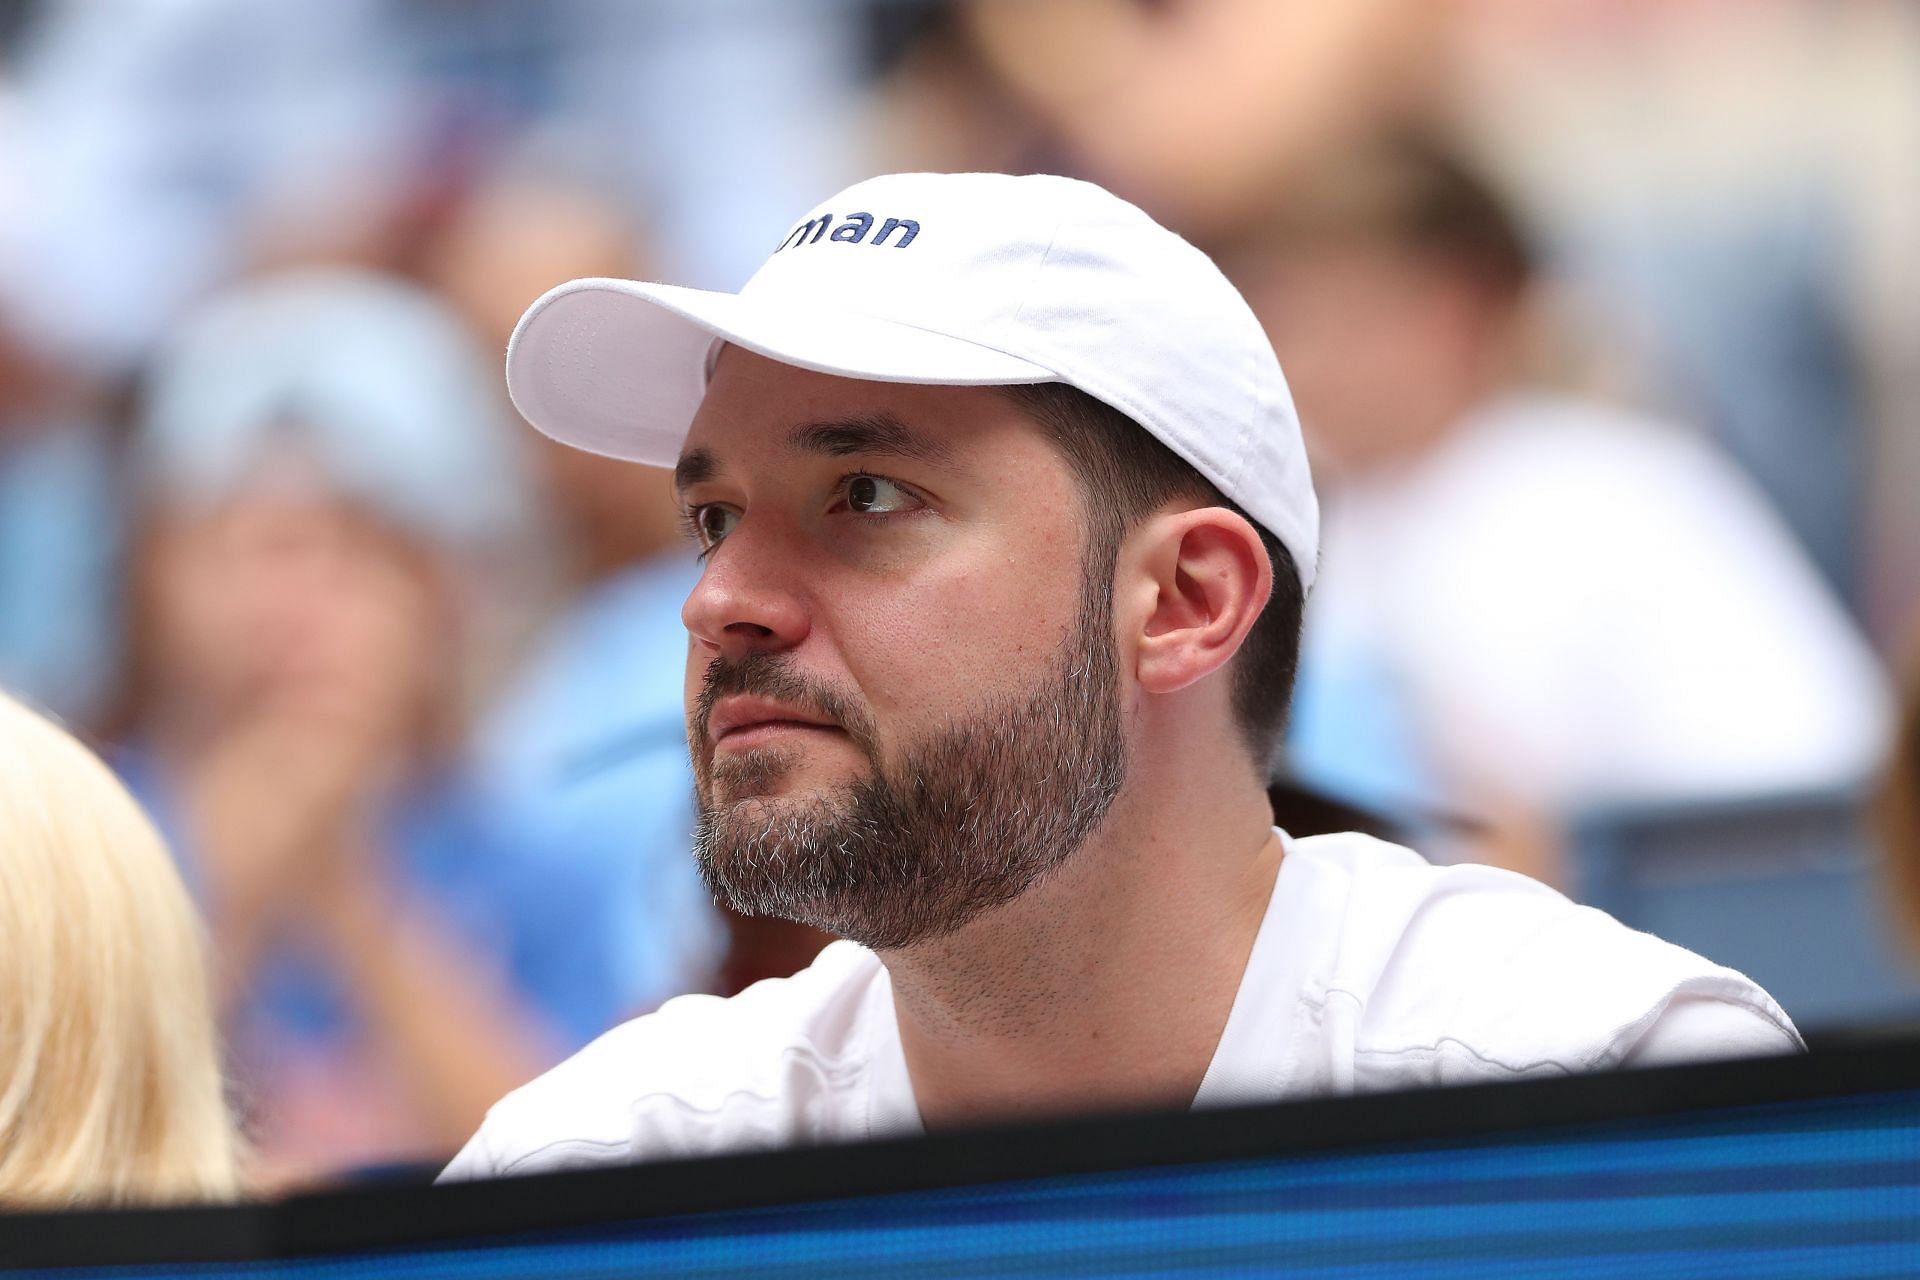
[619,366]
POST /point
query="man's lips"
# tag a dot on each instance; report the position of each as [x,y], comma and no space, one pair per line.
[742,720]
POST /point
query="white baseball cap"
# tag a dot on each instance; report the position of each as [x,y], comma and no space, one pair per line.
[957,279]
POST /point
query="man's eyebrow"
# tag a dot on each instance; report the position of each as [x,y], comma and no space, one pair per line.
[694,467]
[868,433]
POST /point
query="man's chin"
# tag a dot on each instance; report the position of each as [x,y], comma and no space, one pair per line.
[793,785]
[776,777]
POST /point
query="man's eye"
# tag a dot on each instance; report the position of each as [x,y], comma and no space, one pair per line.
[873,495]
[714,522]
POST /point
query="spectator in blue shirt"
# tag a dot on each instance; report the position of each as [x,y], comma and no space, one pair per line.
[332,508]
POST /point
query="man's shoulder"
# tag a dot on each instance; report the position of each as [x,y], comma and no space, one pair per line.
[1452,973]
[772,1065]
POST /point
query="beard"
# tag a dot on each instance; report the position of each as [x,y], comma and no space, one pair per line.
[970,817]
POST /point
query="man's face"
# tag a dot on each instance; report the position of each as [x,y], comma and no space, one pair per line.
[274,602]
[902,699]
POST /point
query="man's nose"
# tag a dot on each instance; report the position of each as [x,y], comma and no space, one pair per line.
[749,597]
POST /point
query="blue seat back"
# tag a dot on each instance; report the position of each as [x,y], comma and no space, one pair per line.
[1787,889]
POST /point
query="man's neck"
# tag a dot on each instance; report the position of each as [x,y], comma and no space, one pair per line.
[1108,985]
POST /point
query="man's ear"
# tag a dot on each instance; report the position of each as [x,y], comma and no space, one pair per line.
[1204,577]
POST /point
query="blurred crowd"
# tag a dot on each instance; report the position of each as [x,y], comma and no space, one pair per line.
[1597,314]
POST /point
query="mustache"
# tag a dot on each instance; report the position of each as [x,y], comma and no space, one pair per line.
[775,675]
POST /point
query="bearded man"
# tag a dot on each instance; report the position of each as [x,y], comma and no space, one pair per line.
[1007,530]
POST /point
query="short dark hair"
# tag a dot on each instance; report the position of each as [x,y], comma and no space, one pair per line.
[1406,190]
[1126,474]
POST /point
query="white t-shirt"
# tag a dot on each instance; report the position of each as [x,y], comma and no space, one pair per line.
[1568,606]
[1372,970]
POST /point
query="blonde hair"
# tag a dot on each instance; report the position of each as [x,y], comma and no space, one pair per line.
[110,1083]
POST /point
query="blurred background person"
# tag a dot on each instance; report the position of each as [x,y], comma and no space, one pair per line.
[1726,188]
[142,140]
[1899,801]
[110,1083]
[1203,109]
[59,537]
[59,530]
[330,501]
[1531,604]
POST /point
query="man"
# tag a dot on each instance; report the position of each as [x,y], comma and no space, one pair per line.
[1007,526]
